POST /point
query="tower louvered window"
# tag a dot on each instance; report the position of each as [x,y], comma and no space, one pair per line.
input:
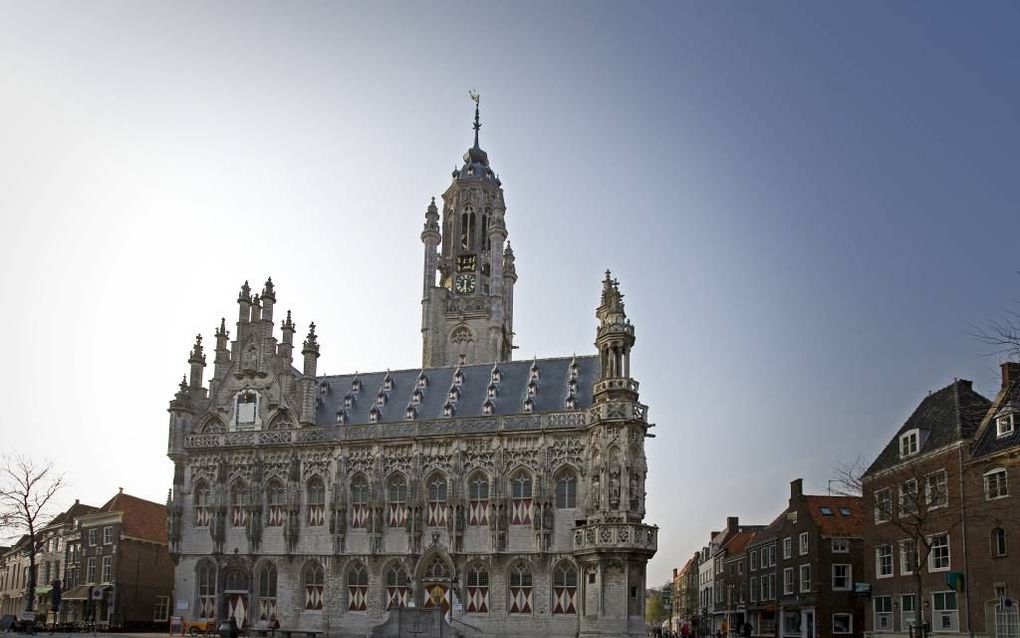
[477,590]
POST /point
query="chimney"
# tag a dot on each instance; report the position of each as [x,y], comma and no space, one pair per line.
[732,524]
[1010,373]
[120,490]
[796,489]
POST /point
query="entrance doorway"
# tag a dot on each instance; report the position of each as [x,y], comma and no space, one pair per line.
[807,623]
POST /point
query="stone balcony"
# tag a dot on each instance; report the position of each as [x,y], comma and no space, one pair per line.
[596,537]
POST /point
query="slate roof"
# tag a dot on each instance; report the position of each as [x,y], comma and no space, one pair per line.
[71,513]
[769,533]
[987,441]
[837,524]
[943,417]
[553,387]
[140,518]
[738,542]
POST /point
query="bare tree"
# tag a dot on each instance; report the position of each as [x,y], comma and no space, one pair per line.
[27,492]
[1003,335]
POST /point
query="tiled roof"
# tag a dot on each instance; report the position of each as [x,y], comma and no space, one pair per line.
[141,518]
[511,392]
[738,542]
[837,523]
[943,417]
[770,532]
[987,439]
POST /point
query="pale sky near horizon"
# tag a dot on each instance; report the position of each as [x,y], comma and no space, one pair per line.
[808,207]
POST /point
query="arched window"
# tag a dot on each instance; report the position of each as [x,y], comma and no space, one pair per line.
[267,592]
[314,578]
[437,570]
[398,592]
[565,589]
[236,596]
[999,547]
[316,502]
[520,589]
[206,580]
[478,499]
[566,490]
[203,504]
[520,489]
[359,502]
[357,588]
[477,589]
[275,513]
[436,515]
[467,228]
[397,493]
[238,504]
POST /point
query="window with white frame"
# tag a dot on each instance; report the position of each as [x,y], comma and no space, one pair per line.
[803,543]
[788,581]
[883,613]
[805,578]
[995,484]
[107,535]
[909,443]
[92,537]
[908,556]
[1004,424]
[842,577]
[883,561]
[938,559]
[754,590]
[107,569]
[90,569]
[998,542]
[787,547]
[772,555]
[936,489]
[908,611]
[908,497]
[772,586]
[754,560]
[764,588]
[161,611]
[841,546]
[883,505]
[842,623]
[944,615]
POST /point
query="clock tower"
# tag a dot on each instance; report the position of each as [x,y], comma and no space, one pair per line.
[467,298]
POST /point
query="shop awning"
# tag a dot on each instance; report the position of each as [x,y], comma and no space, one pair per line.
[42,591]
[81,592]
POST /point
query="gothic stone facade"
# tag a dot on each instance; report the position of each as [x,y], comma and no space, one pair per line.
[508,494]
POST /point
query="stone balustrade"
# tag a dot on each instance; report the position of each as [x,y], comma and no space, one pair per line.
[626,536]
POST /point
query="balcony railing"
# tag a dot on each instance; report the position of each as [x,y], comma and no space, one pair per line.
[597,536]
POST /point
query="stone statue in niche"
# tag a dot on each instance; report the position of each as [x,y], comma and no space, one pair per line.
[250,360]
[596,492]
[634,490]
[614,488]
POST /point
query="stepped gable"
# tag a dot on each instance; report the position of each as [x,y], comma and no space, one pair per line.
[553,387]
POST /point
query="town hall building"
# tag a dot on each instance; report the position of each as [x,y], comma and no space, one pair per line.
[505,497]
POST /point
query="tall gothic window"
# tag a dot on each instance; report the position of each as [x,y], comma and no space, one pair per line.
[520,589]
[238,504]
[206,591]
[203,505]
[467,228]
[357,588]
[316,502]
[478,500]
[565,589]
[398,593]
[520,487]
[477,589]
[314,578]
[436,515]
[359,502]
[275,514]
[566,490]
[397,501]
[486,244]
[267,592]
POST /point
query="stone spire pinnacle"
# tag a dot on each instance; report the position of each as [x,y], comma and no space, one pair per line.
[478,123]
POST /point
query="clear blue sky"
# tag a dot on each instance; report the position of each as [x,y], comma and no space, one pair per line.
[808,206]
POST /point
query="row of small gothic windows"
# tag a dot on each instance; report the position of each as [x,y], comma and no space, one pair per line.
[396,490]
[520,580]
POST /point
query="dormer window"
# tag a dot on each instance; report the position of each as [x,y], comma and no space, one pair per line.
[1005,424]
[380,399]
[416,397]
[423,381]
[448,409]
[458,377]
[387,384]
[571,402]
[910,443]
[410,413]
[454,394]
[575,371]
[491,391]
[529,406]
[532,388]
[356,385]
[323,388]
[572,386]
[348,401]
[487,407]
[373,415]
[497,375]
[341,417]
[533,376]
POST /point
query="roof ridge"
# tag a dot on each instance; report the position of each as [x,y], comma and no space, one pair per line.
[454,367]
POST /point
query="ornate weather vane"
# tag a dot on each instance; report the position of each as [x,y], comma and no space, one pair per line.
[476,98]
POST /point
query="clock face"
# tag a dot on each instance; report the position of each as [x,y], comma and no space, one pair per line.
[465,284]
[466,263]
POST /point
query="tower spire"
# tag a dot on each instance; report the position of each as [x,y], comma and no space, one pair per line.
[478,123]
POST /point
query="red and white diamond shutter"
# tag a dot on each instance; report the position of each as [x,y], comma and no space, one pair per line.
[520,590]
[477,590]
[357,588]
